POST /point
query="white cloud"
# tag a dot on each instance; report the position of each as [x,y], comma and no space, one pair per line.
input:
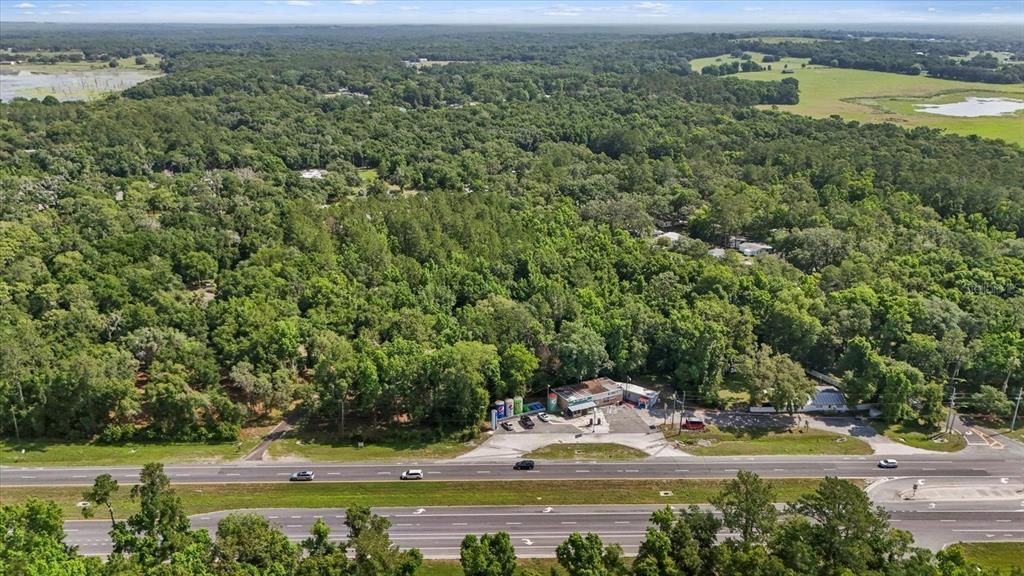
[361,2]
[931,8]
[62,5]
[24,5]
[408,8]
[563,10]
[66,12]
[753,9]
[300,3]
[652,6]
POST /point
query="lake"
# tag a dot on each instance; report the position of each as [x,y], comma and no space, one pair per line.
[67,86]
[973,107]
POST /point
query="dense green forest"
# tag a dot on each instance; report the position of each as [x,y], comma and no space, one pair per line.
[482,228]
[833,530]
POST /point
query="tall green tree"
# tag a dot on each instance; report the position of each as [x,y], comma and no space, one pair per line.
[160,528]
[490,555]
[250,544]
[103,489]
[586,555]
[747,504]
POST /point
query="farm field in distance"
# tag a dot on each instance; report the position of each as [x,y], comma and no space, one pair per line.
[867,96]
[74,80]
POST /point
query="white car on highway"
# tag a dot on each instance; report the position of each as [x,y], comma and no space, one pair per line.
[412,475]
[888,463]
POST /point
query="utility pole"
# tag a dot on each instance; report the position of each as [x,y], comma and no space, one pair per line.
[952,411]
[682,410]
[1013,423]
[675,406]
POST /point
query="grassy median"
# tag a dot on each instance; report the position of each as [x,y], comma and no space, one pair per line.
[613,452]
[57,453]
[199,498]
[923,438]
[995,554]
[767,441]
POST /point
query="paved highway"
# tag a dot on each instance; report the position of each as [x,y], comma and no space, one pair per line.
[536,531]
[969,463]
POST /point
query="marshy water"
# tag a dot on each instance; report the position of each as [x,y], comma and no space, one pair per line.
[67,86]
[973,107]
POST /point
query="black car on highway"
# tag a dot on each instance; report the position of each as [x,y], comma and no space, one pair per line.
[305,475]
[523,465]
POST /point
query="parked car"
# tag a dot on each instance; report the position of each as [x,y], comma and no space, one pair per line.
[526,422]
[693,424]
[507,425]
[305,475]
[523,465]
[888,463]
[542,417]
[412,475]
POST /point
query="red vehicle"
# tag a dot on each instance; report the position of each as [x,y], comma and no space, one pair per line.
[693,424]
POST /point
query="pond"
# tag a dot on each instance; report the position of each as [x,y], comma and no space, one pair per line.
[973,107]
[66,86]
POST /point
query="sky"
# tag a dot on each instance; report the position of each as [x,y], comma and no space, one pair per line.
[531,12]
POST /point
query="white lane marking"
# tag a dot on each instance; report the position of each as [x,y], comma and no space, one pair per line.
[568,523]
[513,523]
[946,520]
[383,473]
[205,518]
[83,476]
[458,524]
[582,471]
[731,470]
[928,469]
[293,526]
[632,471]
[232,474]
[778,469]
[28,477]
[681,470]
[483,471]
[982,530]
[996,521]
[283,474]
[76,530]
[334,473]
[182,475]
[272,517]
[622,521]
[294,517]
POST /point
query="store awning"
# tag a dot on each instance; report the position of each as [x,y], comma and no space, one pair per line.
[582,406]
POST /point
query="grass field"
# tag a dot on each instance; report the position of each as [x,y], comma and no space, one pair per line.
[305,448]
[64,67]
[868,96]
[920,438]
[587,452]
[43,453]
[199,498]
[766,442]
[781,39]
[1002,555]
[74,80]
[777,67]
